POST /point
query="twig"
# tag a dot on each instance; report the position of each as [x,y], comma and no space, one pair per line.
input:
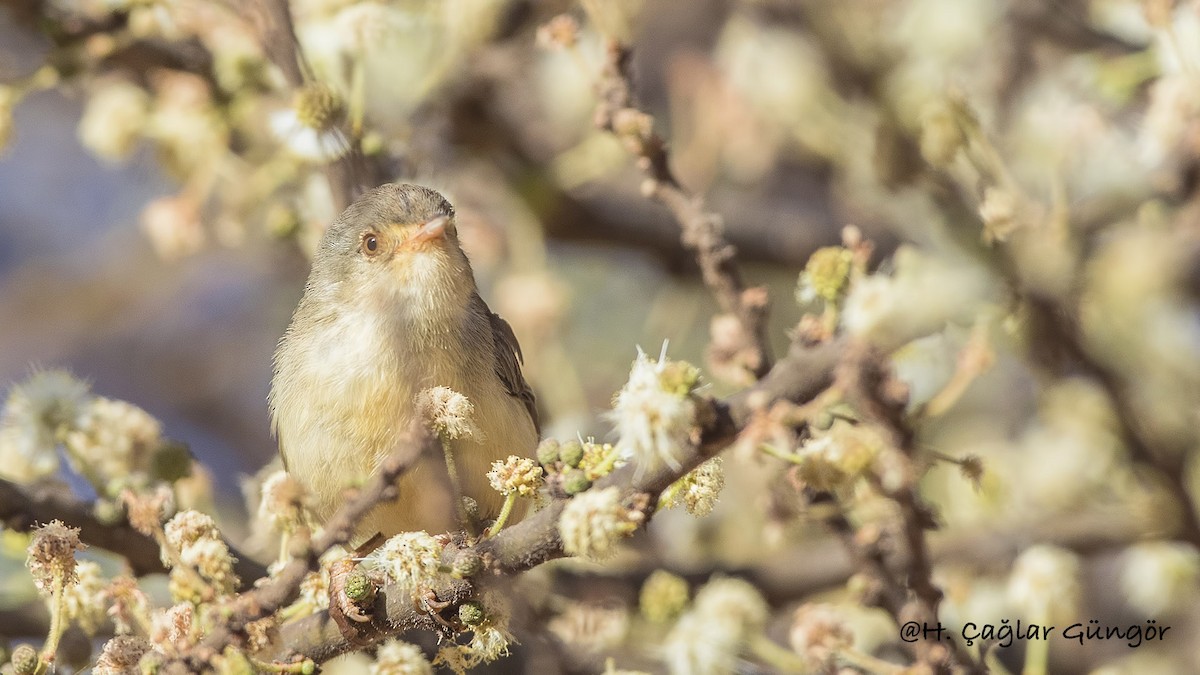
[22,508]
[701,229]
[339,529]
[906,589]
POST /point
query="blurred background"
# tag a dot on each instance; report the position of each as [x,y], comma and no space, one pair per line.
[163,182]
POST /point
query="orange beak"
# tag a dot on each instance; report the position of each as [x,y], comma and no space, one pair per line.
[434,229]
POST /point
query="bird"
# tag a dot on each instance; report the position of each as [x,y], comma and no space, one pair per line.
[391,310]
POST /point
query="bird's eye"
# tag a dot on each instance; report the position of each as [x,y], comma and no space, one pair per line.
[370,244]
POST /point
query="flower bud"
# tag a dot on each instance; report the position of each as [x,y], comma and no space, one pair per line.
[547,453]
[471,613]
[575,482]
[25,659]
[571,453]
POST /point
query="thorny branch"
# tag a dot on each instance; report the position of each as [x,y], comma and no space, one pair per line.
[702,230]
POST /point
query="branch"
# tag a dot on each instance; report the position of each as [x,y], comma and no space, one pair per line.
[339,529]
[800,376]
[23,508]
[702,230]
[905,585]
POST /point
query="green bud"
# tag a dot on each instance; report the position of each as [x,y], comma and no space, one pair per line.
[575,481]
[467,564]
[679,378]
[308,667]
[471,613]
[359,588]
[547,452]
[172,462]
[571,453]
[828,271]
[25,659]
[823,420]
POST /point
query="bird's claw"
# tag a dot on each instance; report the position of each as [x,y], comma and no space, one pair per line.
[427,601]
[353,607]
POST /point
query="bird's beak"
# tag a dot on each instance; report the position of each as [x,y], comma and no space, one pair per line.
[434,229]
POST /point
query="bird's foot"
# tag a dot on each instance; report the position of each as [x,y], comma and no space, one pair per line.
[351,599]
[427,601]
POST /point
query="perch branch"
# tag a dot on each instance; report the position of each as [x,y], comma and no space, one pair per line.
[800,376]
[274,594]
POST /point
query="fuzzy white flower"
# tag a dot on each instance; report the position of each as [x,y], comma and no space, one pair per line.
[516,475]
[211,558]
[449,412]
[1159,576]
[35,413]
[835,459]
[490,642]
[25,454]
[923,293]
[188,527]
[49,399]
[280,504]
[114,119]
[171,628]
[654,413]
[396,657]
[707,639]
[698,646]
[1045,584]
[121,655]
[869,304]
[113,442]
[51,556]
[305,142]
[699,490]
[409,558]
[84,600]
[734,601]
[818,633]
[593,522]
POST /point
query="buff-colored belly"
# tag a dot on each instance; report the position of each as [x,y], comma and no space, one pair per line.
[359,406]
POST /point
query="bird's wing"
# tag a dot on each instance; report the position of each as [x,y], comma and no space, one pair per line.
[508,363]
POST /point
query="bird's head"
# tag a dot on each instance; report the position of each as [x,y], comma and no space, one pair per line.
[396,242]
